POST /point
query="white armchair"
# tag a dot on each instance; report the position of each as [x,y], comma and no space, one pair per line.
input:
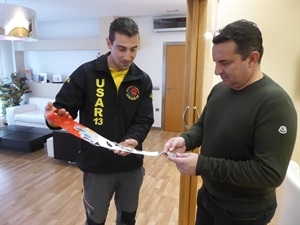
[288,210]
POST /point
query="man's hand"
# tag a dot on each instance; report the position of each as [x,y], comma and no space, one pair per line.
[186,163]
[49,108]
[175,144]
[130,143]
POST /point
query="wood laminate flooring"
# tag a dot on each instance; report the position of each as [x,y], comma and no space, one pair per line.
[38,190]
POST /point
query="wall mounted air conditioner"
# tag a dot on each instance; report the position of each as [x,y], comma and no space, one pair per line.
[171,23]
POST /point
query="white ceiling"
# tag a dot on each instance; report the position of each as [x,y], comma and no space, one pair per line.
[56,10]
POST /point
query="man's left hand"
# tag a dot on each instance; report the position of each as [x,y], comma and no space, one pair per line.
[186,162]
[130,143]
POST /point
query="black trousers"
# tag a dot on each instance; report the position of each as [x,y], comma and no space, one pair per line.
[210,212]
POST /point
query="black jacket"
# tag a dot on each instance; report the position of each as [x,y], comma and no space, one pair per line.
[116,115]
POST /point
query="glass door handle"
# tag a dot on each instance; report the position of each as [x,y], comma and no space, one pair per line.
[196,110]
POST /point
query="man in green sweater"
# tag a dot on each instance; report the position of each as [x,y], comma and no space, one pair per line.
[246,131]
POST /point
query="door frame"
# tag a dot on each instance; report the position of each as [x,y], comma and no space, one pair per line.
[195,57]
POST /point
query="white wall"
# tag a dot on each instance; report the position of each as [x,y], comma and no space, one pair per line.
[150,59]
[78,29]
[57,62]
[61,48]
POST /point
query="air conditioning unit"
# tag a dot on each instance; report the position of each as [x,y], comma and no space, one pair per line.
[171,23]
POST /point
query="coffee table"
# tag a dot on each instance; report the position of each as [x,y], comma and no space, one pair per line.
[23,138]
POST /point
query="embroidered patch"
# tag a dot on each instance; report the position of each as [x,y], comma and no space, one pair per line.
[282,129]
[132,93]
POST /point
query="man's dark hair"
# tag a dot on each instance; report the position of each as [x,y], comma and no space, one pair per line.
[123,25]
[246,36]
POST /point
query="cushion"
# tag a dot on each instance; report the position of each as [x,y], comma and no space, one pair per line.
[36,116]
[40,102]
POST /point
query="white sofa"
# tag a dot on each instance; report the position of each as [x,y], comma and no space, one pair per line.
[31,114]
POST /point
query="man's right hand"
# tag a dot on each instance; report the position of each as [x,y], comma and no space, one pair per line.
[49,108]
[175,144]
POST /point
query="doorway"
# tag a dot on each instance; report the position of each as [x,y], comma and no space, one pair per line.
[174,87]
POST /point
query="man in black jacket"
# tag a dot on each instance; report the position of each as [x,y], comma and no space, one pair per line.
[114,98]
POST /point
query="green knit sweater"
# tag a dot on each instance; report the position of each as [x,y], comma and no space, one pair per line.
[247,139]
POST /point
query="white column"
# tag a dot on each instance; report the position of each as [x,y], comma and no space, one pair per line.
[7,58]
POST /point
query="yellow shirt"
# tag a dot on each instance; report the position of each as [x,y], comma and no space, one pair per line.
[118,76]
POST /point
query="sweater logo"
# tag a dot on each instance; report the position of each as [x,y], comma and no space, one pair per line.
[132,93]
[282,129]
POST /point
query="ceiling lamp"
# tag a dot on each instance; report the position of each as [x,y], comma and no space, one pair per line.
[17,23]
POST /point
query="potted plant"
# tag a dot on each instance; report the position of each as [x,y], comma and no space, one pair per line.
[12,90]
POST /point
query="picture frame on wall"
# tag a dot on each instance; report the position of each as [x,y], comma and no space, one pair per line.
[56,78]
[42,78]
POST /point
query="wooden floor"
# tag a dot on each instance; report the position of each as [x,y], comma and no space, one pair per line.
[38,190]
